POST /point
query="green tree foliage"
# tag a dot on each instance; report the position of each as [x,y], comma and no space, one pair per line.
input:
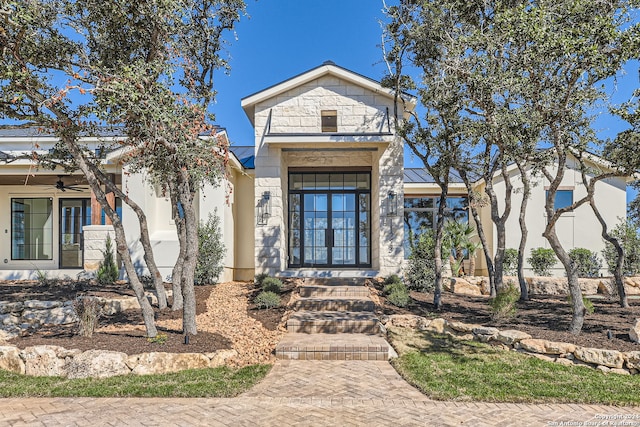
[211,251]
[146,67]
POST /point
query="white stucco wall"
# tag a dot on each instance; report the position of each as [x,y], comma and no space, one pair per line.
[577,229]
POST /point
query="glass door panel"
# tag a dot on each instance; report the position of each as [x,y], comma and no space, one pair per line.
[343,224]
[74,214]
[315,231]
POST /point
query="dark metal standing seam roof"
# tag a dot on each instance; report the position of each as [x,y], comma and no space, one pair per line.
[245,155]
[421,176]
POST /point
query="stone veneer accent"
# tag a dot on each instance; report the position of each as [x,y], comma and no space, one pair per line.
[95,237]
[297,112]
[607,361]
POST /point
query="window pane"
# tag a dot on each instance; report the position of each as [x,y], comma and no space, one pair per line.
[32,229]
[419,202]
[563,199]
[363,181]
[350,181]
[322,181]
[295,181]
[337,181]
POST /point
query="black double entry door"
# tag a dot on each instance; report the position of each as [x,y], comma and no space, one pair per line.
[330,219]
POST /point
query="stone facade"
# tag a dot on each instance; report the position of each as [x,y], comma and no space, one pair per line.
[288,134]
[95,237]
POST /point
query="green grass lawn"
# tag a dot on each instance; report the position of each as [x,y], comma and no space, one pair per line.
[446,369]
[214,382]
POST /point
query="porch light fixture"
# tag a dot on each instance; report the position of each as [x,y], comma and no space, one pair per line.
[392,204]
[264,208]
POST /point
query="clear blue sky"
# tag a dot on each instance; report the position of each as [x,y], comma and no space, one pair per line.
[283,38]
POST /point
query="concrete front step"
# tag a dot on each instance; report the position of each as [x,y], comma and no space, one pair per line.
[334,291]
[332,347]
[333,322]
[335,304]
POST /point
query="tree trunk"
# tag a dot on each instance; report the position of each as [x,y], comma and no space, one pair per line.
[524,290]
[176,274]
[437,292]
[190,259]
[144,237]
[499,222]
[617,272]
[483,238]
[578,308]
[472,265]
[121,241]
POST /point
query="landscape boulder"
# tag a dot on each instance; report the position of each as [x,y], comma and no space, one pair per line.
[163,363]
[608,358]
[634,331]
[10,359]
[546,347]
[43,361]
[511,336]
[98,364]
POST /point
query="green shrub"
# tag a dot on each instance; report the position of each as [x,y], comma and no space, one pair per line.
[588,262]
[510,262]
[211,251]
[541,261]
[108,271]
[588,305]
[88,310]
[271,284]
[394,278]
[395,286]
[43,278]
[627,234]
[260,278]
[503,306]
[399,298]
[420,271]
[267,300]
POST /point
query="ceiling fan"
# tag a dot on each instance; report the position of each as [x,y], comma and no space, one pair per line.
[60,185]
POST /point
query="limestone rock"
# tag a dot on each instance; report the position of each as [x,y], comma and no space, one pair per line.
[632,359]
[9,333]
[162,363]
[10,307]
[462,327]
[113,306]
[512,336]
[603,369]
[619,371]
[543,357]
[407,321]
[9,319]
[98,364]
[220,357]
[485,330]
[563,361]
[634,331]
[41,305]
[436,325]
[608,358]
[463,287]
[546,347]
[43,361]
[10,359]
[632,285]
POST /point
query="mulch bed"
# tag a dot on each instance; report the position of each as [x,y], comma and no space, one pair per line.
[125,333]
[543,317]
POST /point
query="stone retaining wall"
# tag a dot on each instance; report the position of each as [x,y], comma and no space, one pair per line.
[608,361]
[479,285]
[17,318]
[49,360]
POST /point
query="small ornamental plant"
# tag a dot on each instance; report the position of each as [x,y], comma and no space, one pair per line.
[267,300]
[541,261]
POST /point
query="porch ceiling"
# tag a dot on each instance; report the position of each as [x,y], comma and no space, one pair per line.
[46,179]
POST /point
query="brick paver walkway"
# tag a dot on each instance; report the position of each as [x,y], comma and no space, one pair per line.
[310,393]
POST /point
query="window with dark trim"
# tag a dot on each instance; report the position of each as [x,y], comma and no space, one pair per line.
[420,214]
[32,229]
[564,198]
[329,120]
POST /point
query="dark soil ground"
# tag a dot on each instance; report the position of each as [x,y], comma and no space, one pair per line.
[124,332]
[543,317]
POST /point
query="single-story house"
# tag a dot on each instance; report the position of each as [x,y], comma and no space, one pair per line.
[322,191]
